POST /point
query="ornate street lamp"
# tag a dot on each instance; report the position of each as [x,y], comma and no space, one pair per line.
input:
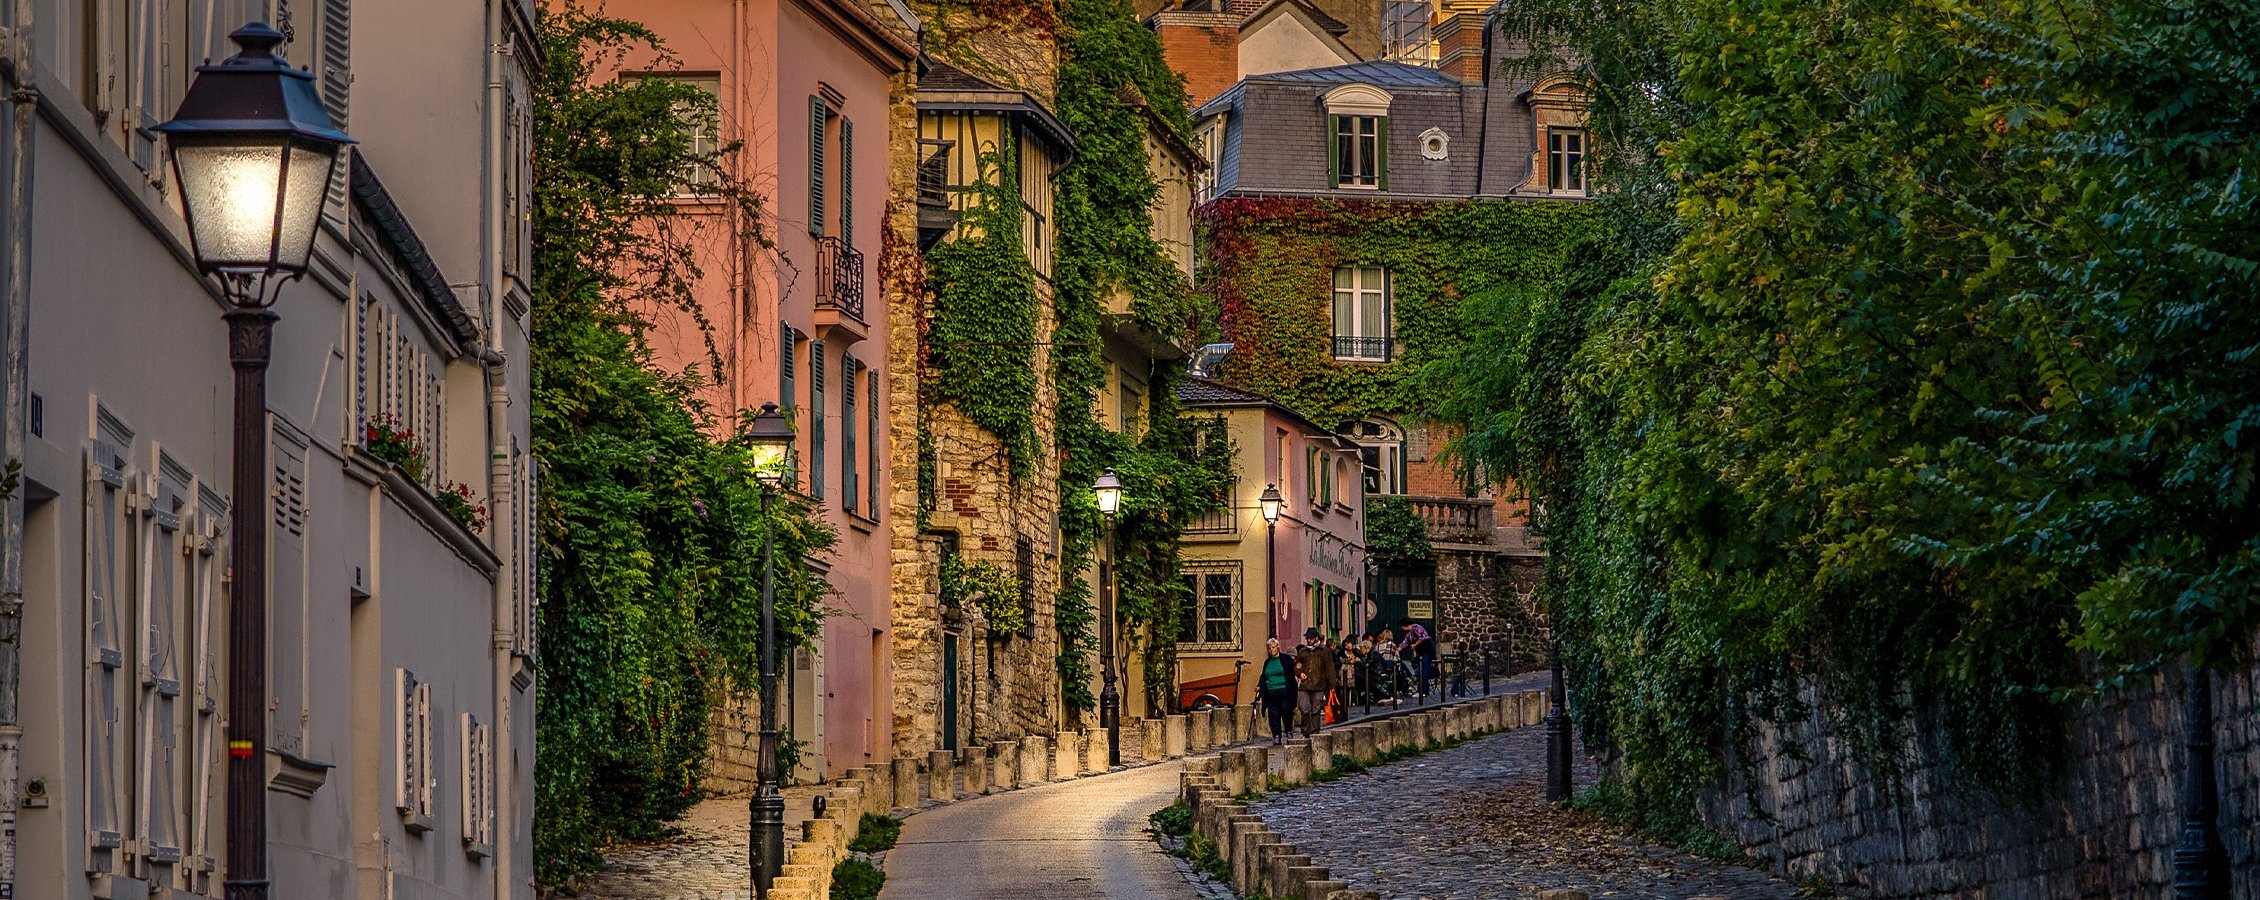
[253,152]
[770,439]
[1108,489]
[1270,504]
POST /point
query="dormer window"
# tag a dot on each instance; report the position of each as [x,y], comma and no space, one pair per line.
[1565,161]
[1357,118]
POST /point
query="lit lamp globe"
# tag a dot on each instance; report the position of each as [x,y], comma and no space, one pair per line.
[770,436]
[253,150]
[1270,503]
[1109,491]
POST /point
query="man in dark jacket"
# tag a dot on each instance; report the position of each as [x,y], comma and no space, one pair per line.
[1316,666]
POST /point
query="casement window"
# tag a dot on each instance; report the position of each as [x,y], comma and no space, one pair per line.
[1565,161]
[477,778]
[871,447]
[109,564]
[816,408]
[1313,480]
[1212,606]
[831,158]
[1211,138]
[1361,314]
[413,789]
[851,488]
[1360,152]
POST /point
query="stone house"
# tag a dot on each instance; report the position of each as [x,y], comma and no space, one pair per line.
[1343,141]
[1250,580]
[401,648]
[805,89]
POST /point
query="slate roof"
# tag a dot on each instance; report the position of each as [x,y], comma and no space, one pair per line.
[941,76]
[398,238]
[1205,391]
[1373,71]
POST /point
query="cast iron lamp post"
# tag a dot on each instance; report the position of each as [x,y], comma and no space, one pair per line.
[1108,489]
[770,437]
[1558,787]
[1269,503]
[253,151]
[2201,863]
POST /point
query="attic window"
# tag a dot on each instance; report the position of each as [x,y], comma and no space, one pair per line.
[1435,144]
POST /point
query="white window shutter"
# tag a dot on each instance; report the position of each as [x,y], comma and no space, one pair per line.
[160,741]
[405,694]
[105,585]
[286,591]
[336,79]
[208,564]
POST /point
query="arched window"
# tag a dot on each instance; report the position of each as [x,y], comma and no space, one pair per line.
[1381,450]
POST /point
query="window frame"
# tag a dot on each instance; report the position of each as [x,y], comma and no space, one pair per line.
[1195,574]
[1346,132]
[1563,161]
[1362,332]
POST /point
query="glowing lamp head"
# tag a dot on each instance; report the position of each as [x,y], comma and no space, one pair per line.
[1270,503]
[253,149]
[770,437]
[1109,491]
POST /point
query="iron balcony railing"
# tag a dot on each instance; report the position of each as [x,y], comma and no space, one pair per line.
[839,277]
[1361,348]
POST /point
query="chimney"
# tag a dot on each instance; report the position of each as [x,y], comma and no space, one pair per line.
[1202,46]
[1459,46]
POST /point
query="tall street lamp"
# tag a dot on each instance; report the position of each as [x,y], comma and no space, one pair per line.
[1558,787]
[1108,489]
[2201,863]
[770,437]
[253,152]
[1270,503]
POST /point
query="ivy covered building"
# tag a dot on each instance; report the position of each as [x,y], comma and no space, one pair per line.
[1383,193]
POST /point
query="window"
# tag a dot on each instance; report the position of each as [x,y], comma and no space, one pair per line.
[850,484]
[1359,146]
[478,787]
[786,369]
[1024,567]
[1565,161]
[831,149]
[109,568]
[1212,605]
[934,172]
[412,792]
[701,116]
[1361,314]
[1130,418]
[1211,139]
[1381,454]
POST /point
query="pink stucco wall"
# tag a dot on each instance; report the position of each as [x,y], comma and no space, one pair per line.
[770,57]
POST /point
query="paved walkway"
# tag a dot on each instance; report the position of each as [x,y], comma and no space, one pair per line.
[1072,840]
[1472,822]
[706,861]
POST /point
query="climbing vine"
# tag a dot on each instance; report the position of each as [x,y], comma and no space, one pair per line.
[1394,531]
[650,532]
[983,584]
[983,332]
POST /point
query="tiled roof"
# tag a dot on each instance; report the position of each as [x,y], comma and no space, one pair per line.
[1373,71]
[1196,391]
[408,250]
[941,76]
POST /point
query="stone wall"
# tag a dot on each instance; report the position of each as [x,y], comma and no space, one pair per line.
[1485,597]
[2106,826]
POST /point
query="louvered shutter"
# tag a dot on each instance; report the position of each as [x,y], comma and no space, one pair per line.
[1334,150]
[816,419]
[847,191]
[106,533]
[413,789]
[816,120]
[286,593]
[206,757]
[160,743]
[787,396]
[850,487]
[478,786]
[336,83]
[871,415]
[1381,152]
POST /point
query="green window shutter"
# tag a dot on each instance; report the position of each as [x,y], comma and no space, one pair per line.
[850,488]
[1381,151]
[847,191]
[871,412]
[785,389]
[816,117]
[816,419]
[1334,151]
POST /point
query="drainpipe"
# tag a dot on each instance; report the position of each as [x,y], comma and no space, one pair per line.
[501,491]
[15,307]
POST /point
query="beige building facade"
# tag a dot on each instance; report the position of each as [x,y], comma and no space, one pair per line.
[401,637]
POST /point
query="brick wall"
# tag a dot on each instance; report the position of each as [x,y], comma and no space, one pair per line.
[1207,54]
[2105,827]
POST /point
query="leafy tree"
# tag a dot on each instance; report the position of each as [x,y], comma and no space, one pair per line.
[650,531]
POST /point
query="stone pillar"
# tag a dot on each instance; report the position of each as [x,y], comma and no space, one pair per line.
[1362,746]
[1298,763]
[1200,736]
[1004,765]
[1067,755]
[1152,740]
[1133,740]
[1244,723]
[1232,775]
[1094,751]
[1035,757]
[941,775]
[976,769]
[906,782]
[847,804]
[1533,707]
[1256,762]
[1173,740]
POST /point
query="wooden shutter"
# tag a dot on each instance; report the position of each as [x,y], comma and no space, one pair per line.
[336,79]
[1381,152]
[850,486]
[106,557]
[160,741]
[478,786]
[847,191]
[816,419]
[286,594]
[871,415]
[412,791]
[787,394]
[1334,151]
[816,116]
[205,757]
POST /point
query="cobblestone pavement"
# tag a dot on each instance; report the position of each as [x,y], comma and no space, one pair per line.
[1070,840]
[706,861]
[1471,822]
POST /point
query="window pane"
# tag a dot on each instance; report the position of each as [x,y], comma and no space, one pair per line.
[1344,325]
[1342,278]
[1371,322]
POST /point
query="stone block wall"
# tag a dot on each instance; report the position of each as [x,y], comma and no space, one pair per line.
[2105,827]
[1485,597]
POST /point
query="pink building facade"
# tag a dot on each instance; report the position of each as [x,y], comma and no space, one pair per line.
[804,89]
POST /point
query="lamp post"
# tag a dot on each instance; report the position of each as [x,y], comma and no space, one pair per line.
[1270,503]
[1558,786]
[253,151]
[770,437]
[1108,489]
[2200,862]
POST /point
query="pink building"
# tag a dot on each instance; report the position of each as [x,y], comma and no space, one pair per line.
[1253,580]
[803,86]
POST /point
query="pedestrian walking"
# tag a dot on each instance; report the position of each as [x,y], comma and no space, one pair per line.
[1276,688]
[1314,667]
[1418,650]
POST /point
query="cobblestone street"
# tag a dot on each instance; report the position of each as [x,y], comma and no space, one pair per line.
[706,861]
[1471,822]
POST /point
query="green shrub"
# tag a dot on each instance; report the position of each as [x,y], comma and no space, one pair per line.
[1175,820]
[876,833]
[1666,823]
[854,879]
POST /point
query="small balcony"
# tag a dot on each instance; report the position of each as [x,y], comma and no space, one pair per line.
[839,291]
[1221,523]
[1454,520]
[1351,348]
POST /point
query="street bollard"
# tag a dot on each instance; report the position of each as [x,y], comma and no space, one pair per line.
[1232,775]
[1298,767]
[1035,760]
[1243,723]
[1004,765]
[1173,743]
[1095,751]
[1151,735]
[977,769]
[941,775]
[906,782]
[1067,755]
[1362,743]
